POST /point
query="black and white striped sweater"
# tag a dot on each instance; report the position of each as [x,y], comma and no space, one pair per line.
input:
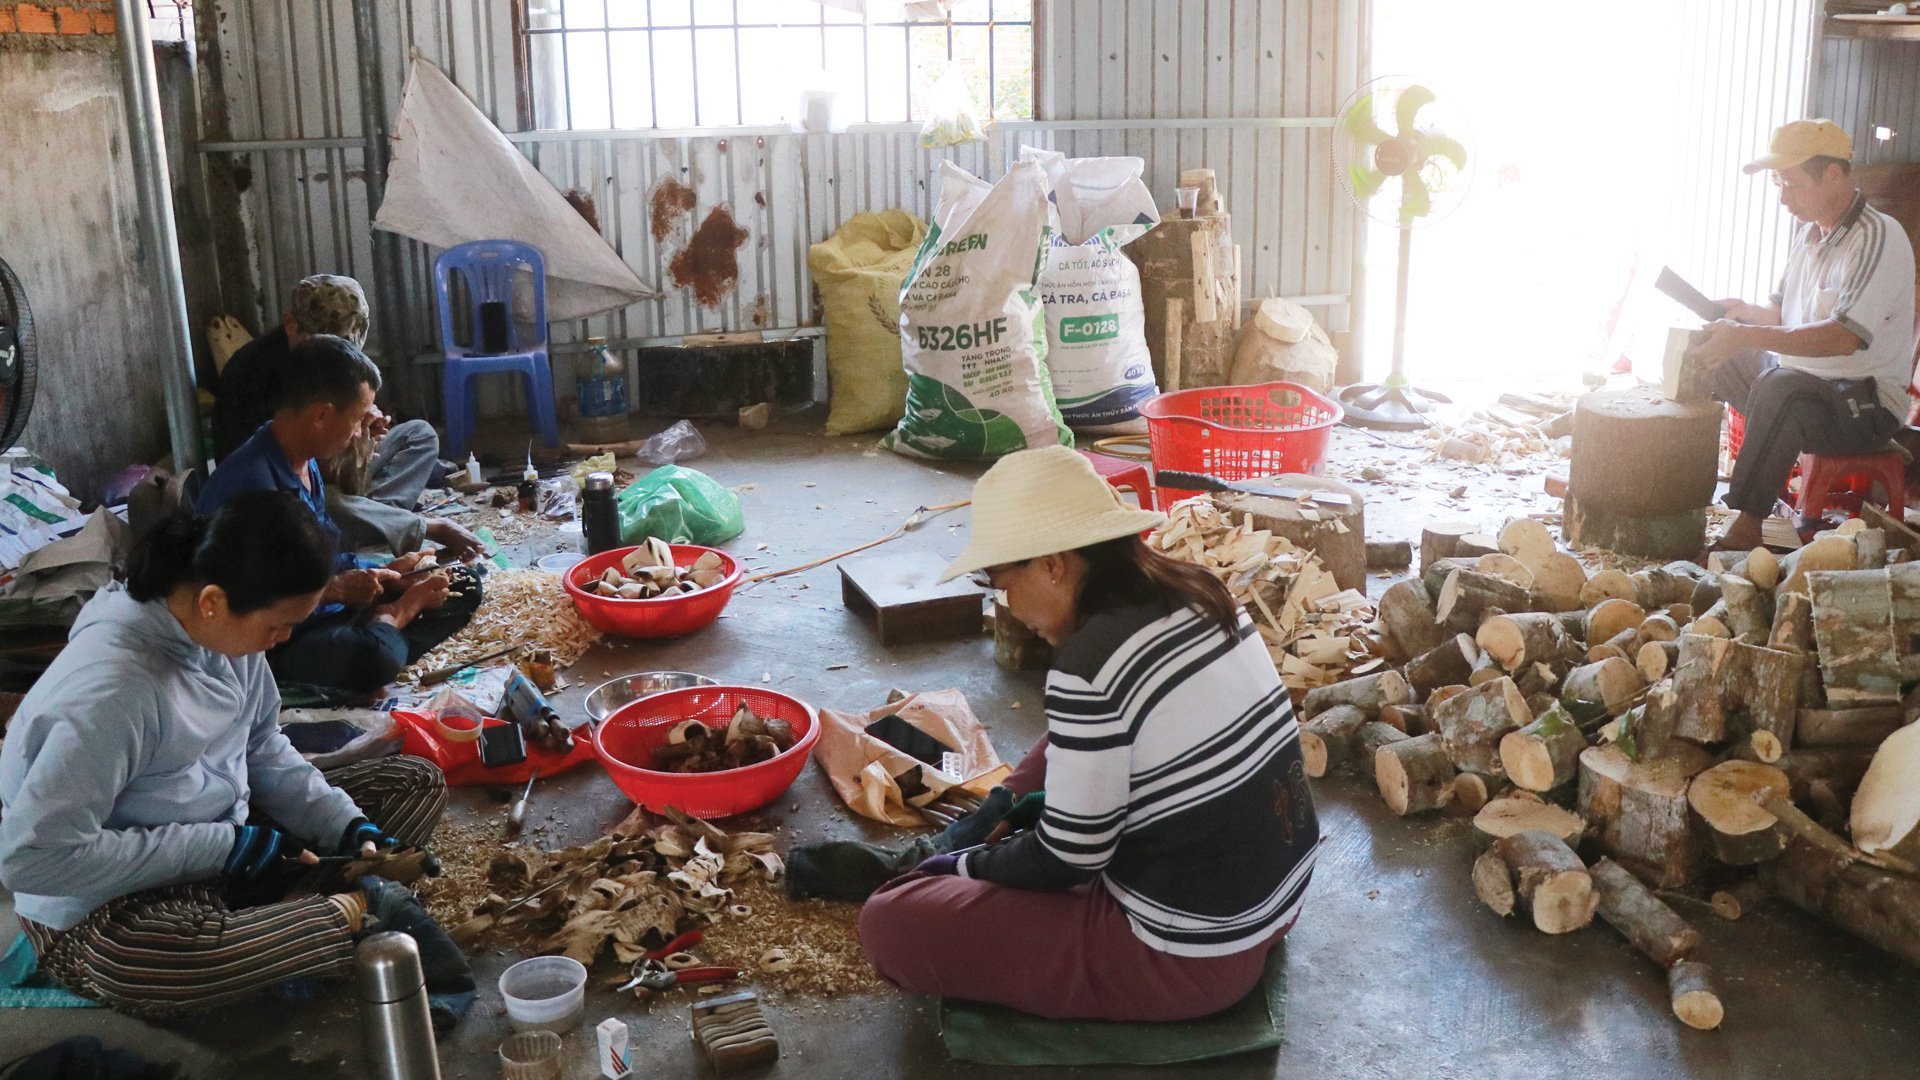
[1174,776]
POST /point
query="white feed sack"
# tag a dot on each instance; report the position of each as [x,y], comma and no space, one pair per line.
[972,337]
[1096,324]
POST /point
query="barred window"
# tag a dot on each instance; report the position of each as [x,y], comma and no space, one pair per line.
[600,64]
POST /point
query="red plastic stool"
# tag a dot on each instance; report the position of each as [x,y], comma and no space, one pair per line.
[1822,475]
[1125,475]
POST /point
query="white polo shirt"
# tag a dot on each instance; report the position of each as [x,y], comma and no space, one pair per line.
[1860,275]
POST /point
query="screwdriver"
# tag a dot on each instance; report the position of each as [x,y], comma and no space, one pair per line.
[517,816]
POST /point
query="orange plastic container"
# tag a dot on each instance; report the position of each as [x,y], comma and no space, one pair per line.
[1239,432]
[661,617]
[626,741]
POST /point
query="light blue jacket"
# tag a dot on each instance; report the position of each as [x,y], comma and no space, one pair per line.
[133,757]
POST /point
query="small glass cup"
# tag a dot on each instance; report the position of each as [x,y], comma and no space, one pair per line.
[1188,199]
[530,1055]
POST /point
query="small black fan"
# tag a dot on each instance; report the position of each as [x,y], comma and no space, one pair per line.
[17,358]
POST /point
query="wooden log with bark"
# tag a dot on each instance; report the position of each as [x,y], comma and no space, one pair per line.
[1638,810]
[1472,724]
[1630,907]
[1389,554]
[1544,754]
[1441,540]
[1519,811]
[1517,640]
[1472,792]
[1447,663]
[1862,727]
[1732,800]
[1535,873]
[1737,899]
[1468,596]
[1609,584]
[1406,616]
[1557,582]
[1853,629]
[1820,873]
[1414,775]
[1726,690]
[1612,684]
[1825,553]
[1749,609]
[1506,568]
[1656,659]
[1694,999]
[1368,693]
[1834,770]
[1327,740]
[1610,616]
[1411,719]
[1669,535]
[1792,631]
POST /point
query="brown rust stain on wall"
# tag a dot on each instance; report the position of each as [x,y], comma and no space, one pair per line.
[707,264]
[670,200]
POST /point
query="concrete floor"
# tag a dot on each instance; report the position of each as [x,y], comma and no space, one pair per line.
[1395,970]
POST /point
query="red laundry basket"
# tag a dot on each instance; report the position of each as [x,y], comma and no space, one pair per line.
[1239,432]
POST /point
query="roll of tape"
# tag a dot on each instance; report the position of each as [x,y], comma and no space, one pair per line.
[457,734]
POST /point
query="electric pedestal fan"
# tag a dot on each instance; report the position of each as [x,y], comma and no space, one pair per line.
[17,362]
[1398,151]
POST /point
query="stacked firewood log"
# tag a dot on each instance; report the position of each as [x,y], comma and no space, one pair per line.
[1725,733]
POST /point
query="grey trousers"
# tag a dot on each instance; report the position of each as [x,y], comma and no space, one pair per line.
[1790,413]
[385,515]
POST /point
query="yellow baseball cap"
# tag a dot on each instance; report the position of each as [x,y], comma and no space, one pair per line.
[1793,143]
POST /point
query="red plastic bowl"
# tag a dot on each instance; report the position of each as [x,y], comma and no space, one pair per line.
[662,616]
[625,743]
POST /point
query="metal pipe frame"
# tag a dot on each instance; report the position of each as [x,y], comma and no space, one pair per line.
[146,143]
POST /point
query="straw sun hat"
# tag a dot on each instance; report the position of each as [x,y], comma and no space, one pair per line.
[1041,502]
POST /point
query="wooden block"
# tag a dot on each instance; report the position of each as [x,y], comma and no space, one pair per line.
[898,592]
[731,1032]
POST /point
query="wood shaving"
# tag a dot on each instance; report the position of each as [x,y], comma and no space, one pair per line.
[464,851]
[821,937]
[515,605]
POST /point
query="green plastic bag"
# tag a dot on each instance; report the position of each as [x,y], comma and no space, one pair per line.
[680,506]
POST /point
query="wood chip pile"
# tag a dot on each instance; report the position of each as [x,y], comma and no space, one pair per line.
[527,606]
[1509,436]
[1314,630]
[1724,733]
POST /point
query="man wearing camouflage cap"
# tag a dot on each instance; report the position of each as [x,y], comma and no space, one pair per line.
[374,486]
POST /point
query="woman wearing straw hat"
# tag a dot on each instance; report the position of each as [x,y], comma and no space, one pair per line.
[1178,833]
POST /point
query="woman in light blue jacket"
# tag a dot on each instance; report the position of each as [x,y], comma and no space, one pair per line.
[152,815]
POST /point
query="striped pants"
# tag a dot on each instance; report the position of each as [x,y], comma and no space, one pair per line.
[187,948]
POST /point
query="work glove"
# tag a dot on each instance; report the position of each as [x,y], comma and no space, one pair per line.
[940,865]
[255,848]
[362,832]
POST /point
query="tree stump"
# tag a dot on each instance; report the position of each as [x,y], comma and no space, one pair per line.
[1731,799]
[1472,724]
[1642,473]
[1538,874]
[1631,908]
[1638,810]
[1414,775]
[1335,533]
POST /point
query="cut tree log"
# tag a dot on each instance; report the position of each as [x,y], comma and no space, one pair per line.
[1528,541]
[1837,770]
[1634,452]
[1609,617]
[1373,735]
[1869,549]
[1706,593]
[1659,586]
[1737,899]
[1670,535]
[1547,881]
[1557,582]
[1695,1001]
[1544,754]
[1819,873]
[1441,540]
[1638,810]
[1327,740]
[1406,615]
[1853,630]
[1411,719]
[1749,609]
[1414,775]
[1506,568]
[1389,554]
[1517,812]
[1609,584]
[1793,632]
[1493,883]
[1866,727]
[1474,545]
[1726,690]
[1368,693]
[1612,684]
[1731,799]
[1472,724]
[1467,596]
[1336,533]
[1886,808]
[1630,907]
[1447,663]
[1434,576]
[1825,553]
[1762,568]
[1660,626]
[1472,792]
[1517,640]
[1656,659]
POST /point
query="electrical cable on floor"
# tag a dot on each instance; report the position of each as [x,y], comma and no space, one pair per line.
[914,521]
[1351,426]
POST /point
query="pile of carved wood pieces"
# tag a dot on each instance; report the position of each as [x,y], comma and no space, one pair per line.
[632,889]
[1315,631]
[1725,734]
[1510,435]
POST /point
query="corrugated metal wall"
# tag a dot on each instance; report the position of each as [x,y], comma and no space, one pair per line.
[1245,87]
[1744,68]
[1861,85]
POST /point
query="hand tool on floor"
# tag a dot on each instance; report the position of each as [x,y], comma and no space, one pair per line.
[526,706]
[651,973]
[517,816]
[1193,481]
[440,675]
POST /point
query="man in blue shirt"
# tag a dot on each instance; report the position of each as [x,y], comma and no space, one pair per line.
[373,620]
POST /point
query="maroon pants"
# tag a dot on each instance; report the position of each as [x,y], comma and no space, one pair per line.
[1066,955]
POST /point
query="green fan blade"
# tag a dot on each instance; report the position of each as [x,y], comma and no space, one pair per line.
[1414,201]
[1412,99]
[1364,182]
[1359,123]
[1434,144]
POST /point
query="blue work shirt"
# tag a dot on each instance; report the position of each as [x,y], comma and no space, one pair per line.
[260,465]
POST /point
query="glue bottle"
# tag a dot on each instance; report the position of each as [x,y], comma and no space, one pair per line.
[474,476]
[529,487]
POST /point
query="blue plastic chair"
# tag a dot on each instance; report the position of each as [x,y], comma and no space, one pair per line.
[488,267]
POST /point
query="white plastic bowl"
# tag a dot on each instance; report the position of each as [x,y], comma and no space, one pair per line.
[546,993]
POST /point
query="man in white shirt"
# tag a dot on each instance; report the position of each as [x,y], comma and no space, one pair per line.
[1823,366]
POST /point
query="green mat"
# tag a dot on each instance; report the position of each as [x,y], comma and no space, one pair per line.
[996,1035]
